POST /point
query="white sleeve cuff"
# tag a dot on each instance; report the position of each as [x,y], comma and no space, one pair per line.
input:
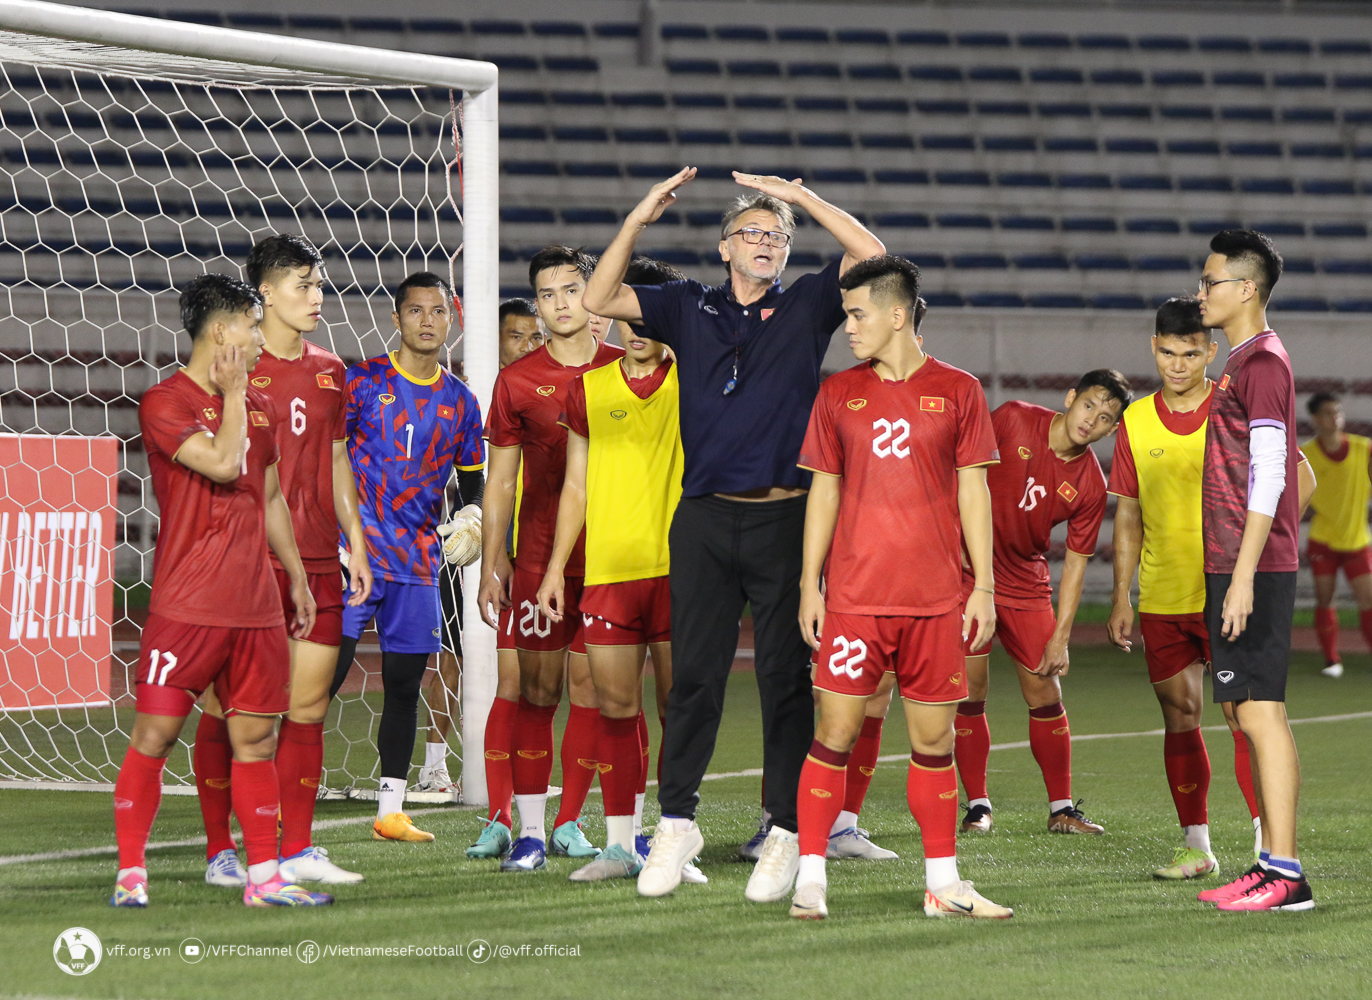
[1266,467]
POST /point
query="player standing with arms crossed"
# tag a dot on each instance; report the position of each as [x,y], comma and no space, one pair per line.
[1047,474]
[1250,516]
[528,461]
[899,446]
[212,454]
[1338,532]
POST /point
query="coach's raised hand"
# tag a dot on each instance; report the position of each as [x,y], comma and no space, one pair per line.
[606,294]
[659,198]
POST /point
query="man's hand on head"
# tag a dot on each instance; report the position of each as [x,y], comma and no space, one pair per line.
[783,190]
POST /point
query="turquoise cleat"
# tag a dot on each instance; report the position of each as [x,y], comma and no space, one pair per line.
[569,841]
[494,841]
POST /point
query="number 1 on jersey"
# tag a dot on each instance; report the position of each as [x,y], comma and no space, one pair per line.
[409,439]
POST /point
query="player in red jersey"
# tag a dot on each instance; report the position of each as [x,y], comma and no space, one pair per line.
[523,427]
[212,454]
[1047,474]
[1250,523]
[305,382]
[899,446]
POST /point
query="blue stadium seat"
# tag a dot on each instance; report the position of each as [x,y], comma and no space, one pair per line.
[1284,228]
[862,36]
[590,216]
[1162,263]
[980,261]
[703,137]
[879,140]
[653,135]
[995,300]
[1304,304]
[523,97]
[1206,183]
[1102,262]
[497,28]
[805,258]
[1254,148]
[1222,44]
[1353,230]
[685,32]
[1065,109]
[571,64]
[249,20]
[947,142]
[902,220]
[1353,81]
[1307,114]
[1025,179]
[802,34]
[840,175]
[1089,224]
[1045,41]
[814,69]
[1320,150]
[1118,42]
[1358,116]
[1238,78]
[1070,144]
[1299,265]
[1152,226]
[901,176]
[531,168]
[1327,187]
[677,256]
[932,39]
[957,220]
[616,29]
[1302,81]
[523,132]
[1209,227]
[1246,113]
[1126,111]
[1117,77]
[947,74]
[702,220]
[943,107]
[437,26]
[558,29]
[874,71]
[943,300]
[1009,143]
[1347,267]
[646,99]
[581,133]
[1028,223]
[1056,74]
[1164,43]
[831,140]
[927,261]
[760,137]
[822,104]
[694,67]
[1194,147]
[216,19]
[527,215]
[699,101]
[1042,262]
[513,62]
[1056,300]
[592,169]
[754,67]
[995,74]
[1187,111]
[742,33]
[1285,46]
[885,105]
[1346,47]
[984,40]
[1077,181]
[1178,78]
[963,178]
[1352,305]
[1144,146]
[769,102]
[1118,302]
[578,98]
[1016,108]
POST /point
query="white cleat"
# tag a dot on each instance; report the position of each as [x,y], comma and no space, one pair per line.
[668,856]
[810,902]
[226,870]
[775,871]
[853,843]
[436,779]
[1333,670]
[313,865]
[693,875]
[960,900]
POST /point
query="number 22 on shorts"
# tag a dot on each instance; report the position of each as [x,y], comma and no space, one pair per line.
[848,657]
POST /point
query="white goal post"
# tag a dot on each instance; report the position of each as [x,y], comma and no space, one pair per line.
[253,133]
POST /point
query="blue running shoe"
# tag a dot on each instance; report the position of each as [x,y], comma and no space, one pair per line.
[494,841]
[529,854]
[642,845]
[226,870]
[752,850]
[131,891]
[569,841]
[278,893]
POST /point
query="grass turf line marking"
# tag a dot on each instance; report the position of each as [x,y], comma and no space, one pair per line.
[752,772]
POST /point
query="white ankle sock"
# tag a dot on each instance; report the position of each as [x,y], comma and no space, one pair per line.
[435,754]
[676,824]
[531,810]
[1057,805]
[812,870]
[390,798]
[979,802]
[260,874]
[638,813]
[620,830]
[846,820]
[141,873]
[1198,836]
[939,872]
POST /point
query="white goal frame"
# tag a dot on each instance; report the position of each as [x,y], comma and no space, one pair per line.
[243,52]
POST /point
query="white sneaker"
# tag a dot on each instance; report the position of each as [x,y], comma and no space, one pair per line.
[1333,670]
[775,871]
[959,899]
[313,865]
[226,870]
[670,851]
[810,902]
[435,779]
[853,843]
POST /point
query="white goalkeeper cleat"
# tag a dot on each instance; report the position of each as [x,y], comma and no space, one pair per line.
[436,779]
[959,899]
[854,843]
[313,865]
[226,870]
[461,536]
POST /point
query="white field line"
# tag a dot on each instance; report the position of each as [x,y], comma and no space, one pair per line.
[752,772]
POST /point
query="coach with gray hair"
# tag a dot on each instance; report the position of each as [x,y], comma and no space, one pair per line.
[748,355]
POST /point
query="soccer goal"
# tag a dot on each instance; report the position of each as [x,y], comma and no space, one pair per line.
[138,153]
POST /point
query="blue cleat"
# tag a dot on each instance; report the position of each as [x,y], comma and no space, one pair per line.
[494,841]
[278,893]
[569,841]
[131,891]
[642,845]
[226,870]
[528,855]
[752,850]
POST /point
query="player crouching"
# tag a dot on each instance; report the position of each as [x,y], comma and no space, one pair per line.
[212,455]
[899,446]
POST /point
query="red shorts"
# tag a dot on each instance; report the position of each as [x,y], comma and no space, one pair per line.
[250,668]
[533,630]
[628,613]
[1325,561]
[327,589]
[504,635]
[925,653]
[1023,634]
[1171,643]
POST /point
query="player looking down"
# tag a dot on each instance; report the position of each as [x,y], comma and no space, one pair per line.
[899,446]
[213,455]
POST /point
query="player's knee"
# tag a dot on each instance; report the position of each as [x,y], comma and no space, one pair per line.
[839,735]
[938,747]
[152,743]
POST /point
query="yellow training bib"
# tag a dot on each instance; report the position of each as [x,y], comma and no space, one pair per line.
[1341,494]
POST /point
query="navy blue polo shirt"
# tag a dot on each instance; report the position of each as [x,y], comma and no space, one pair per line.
[749,439]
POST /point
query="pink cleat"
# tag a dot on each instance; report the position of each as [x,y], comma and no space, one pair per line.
[1234,889]
[277,893]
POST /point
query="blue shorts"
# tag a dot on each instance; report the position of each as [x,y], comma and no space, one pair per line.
[408,616]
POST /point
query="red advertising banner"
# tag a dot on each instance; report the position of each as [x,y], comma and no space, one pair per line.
[58,500]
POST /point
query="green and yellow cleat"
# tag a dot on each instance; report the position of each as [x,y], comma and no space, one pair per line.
[1189,862]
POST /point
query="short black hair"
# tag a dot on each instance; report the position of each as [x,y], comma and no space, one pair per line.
[1253,252]
[890,278]
[282,252]
[207,296]
[647,271]
[1179,317]
[516,307]
[921,310]
[1116,386]
[560,256]
[1319,399]
[422,279]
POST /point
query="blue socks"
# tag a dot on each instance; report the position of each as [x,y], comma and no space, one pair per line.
[1289,867]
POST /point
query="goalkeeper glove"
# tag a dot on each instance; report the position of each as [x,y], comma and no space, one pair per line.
[461,536]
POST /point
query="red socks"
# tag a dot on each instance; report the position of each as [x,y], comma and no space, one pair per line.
[972,747]
[1050,740]
[1365,623]
[210,761]
[862,764]
[820,796]
[299,763]
[1188,775]
[137,794]
[532,740]
[1327,629]
[1243,773]
[931,788]
[499,781]
[622,762]
[643,745]
[579,761]
[256,802]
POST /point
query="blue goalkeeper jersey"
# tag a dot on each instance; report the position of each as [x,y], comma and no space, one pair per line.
[404,437]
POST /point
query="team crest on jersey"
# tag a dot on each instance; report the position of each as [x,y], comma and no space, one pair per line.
[325,381]
[1025,453]
[619,414]
[856,404]
[445,412]
[1156,453]
[262,381]
[1068,492]
[210,414]
[1224,382]
[259,419]
[766,314]
[386,399]
[547,390]
[931,404]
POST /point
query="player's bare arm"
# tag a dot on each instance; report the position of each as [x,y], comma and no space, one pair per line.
[1128,542]
[281,537]
[219,457]
[858,244]
[821,517]
[1054,662]
[1305,485]
[606,294]
[497,507]
[345,509]
[571,516]
[974,509]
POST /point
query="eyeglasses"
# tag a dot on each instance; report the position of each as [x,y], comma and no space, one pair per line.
[1208,283]
[757,236]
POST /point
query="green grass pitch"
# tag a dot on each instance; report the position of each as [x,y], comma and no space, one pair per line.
[1089,921]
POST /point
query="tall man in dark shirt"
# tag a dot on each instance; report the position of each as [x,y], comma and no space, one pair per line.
[749,355]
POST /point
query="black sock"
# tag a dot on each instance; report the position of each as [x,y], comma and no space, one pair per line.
[347,651]
[401,676]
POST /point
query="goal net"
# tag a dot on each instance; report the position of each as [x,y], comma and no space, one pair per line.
[138,153]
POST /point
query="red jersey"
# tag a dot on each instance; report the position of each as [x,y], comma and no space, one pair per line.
[1032,490]
[1256,390]
[308,393]
[211,565]
[897,546]
[529,398]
